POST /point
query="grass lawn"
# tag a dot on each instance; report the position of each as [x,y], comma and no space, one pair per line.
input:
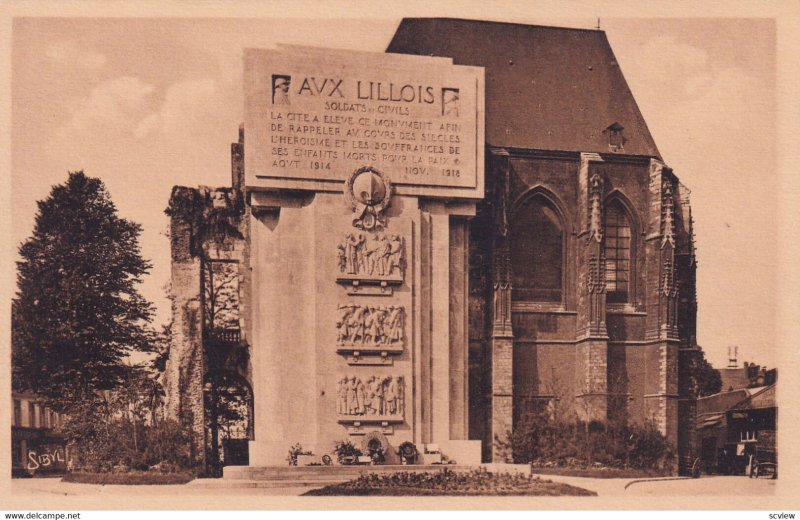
[133,478]
[447,482]
[602,472]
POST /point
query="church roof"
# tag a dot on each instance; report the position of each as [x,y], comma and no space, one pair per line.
[547,88]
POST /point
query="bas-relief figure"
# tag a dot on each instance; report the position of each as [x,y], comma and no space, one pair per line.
[376,256]
[378,397]
[373,326]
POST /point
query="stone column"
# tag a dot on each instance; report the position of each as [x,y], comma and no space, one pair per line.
[440,325]
[459,328]
[661,384]
[592,337]
[502,330]
[25,418]
[445,286]
[284,325]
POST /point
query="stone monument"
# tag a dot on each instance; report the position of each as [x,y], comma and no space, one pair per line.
[362,172]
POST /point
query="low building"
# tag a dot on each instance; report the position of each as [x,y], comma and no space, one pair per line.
[37,447]
[732,426]
[749,375]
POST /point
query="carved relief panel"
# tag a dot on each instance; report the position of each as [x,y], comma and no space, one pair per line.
[363,329]
[374,400]
[370,263]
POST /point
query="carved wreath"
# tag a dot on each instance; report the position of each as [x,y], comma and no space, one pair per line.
[367,209]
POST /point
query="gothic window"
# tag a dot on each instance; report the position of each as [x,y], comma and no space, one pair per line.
[17,413]
[537,252]
[618,253]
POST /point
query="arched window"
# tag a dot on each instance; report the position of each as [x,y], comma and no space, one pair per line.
[537,252]
[617,246]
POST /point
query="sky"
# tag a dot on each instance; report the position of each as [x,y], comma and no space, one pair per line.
[148,103]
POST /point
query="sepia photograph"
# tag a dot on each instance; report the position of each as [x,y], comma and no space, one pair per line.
[284,257]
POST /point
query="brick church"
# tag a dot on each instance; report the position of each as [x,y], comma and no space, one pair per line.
[578,262]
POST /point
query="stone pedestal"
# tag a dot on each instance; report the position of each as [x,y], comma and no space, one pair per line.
[298,359]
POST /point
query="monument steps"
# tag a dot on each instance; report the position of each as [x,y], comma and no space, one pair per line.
[244,477]
[338,473]
[231,483]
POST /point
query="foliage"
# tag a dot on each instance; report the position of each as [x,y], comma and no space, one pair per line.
[544,442]
[78,314]
[121,430]
[346,452]
[446,482]
[162,348]
[707,378]
[131,478]
[227,400]
[208,222]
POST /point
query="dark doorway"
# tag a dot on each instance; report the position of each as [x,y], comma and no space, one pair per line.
[229,420]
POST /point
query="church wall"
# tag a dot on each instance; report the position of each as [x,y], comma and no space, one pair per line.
[545,370]
[625,327]
[639,373]
[544,326]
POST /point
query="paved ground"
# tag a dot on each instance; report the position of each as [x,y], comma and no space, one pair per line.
[708,485]
[712,485]
[30,492]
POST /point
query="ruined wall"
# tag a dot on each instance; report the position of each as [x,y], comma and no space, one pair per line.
[210,258]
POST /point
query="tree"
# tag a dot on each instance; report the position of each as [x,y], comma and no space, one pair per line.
[77,314]
[708,378]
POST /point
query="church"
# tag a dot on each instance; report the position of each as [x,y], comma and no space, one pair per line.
[425,245]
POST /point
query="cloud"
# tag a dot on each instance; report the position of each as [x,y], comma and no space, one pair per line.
[185,104]
[69,52]
[112,105]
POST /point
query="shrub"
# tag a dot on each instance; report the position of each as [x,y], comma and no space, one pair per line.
[166,446]
[539,440]
[132,478]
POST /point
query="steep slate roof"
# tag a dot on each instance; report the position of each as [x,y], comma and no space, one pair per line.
[547,88]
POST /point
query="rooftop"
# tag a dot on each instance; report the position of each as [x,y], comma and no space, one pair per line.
[547,88]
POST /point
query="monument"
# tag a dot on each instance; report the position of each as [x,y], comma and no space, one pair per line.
[362,172]
[397,257]
[361,176]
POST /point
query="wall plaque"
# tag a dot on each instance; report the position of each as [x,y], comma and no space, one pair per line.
[311,118]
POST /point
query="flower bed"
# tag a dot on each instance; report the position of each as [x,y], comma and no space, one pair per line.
[446,482]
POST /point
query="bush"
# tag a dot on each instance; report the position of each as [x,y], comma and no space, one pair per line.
[133,478]
[166,446]
[109,446]
[543,442]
